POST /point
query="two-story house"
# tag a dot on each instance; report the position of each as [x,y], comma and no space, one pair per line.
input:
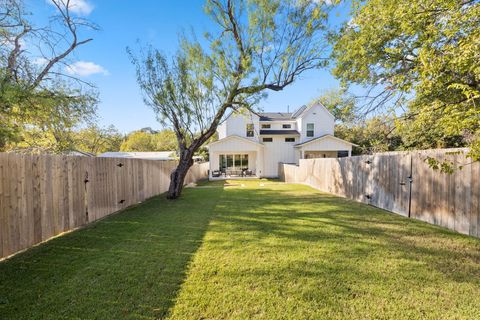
[255,143]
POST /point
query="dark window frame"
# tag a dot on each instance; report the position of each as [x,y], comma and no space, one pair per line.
[267,139]
[311,132]
[250,130]
[266,126]
[286,126]
[342,153]
[290,139]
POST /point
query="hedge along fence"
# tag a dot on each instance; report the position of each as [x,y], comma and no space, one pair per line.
[42,196]
[402,182]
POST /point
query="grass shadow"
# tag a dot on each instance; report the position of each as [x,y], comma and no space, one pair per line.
[129,265]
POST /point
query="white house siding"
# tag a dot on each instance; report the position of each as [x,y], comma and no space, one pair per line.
[323,120]
[264,157]
[237,145]
[325,144]
[277,151]
[278,125]
[237,125]
[222,130]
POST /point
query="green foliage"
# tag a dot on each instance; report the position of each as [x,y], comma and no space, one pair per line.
[96,140]
[164,140]
[39,106]
[426,49]
[49,122]
[254,46]
[377,134]
[340,103]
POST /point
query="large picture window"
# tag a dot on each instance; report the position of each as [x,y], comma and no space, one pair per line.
[229,161]
[233,162]
[310,129]
[223,162]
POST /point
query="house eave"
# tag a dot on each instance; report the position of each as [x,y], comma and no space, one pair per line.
[299,145]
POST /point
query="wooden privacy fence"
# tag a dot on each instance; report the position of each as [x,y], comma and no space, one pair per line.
[42,196]
[401,182]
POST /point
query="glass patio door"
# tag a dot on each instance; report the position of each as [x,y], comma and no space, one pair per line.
[233,162]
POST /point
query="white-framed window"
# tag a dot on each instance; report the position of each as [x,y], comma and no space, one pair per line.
[287,126]
[250,132]
[267,139]
[266,126]
[290,139]
[310,129]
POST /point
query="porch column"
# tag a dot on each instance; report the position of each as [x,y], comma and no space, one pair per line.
[259,162]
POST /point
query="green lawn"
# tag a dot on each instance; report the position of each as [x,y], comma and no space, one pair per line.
[248,250]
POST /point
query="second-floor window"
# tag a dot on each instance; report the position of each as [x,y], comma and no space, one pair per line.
[267,140]
[289,139]
[250,130]
[266,126]
[287,126]
[310,129]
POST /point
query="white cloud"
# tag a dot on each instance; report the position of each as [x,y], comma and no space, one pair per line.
[85,69]
[327,2]
[40,61]
[80,7]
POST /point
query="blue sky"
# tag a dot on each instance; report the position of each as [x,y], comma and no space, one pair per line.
[105,63]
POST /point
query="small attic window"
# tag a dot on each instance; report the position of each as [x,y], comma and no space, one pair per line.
[250,132]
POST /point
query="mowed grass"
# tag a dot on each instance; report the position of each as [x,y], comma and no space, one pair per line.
[247,250]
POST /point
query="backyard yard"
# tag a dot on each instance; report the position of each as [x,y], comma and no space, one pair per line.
[246,250]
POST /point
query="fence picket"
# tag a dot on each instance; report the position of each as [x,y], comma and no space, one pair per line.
[449,200]
[43,195]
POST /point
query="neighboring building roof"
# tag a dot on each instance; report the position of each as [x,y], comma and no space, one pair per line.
[77,153]
[158,155]
[323,137]
[281,132]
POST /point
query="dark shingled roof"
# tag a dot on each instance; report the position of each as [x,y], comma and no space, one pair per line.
[299,111]
[272,116]
[276,132]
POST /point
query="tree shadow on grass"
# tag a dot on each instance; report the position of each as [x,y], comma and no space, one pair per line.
[355,230]
[129,265]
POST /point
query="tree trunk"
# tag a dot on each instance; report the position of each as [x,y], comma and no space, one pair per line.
[177,177]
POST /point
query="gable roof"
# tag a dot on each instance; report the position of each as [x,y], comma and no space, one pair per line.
[272,116]
[283,116]
[323,137]
[235,137]
[301,111]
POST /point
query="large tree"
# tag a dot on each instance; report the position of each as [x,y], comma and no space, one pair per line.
[423,53]
[96,140]
[256,46]
[33,64]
